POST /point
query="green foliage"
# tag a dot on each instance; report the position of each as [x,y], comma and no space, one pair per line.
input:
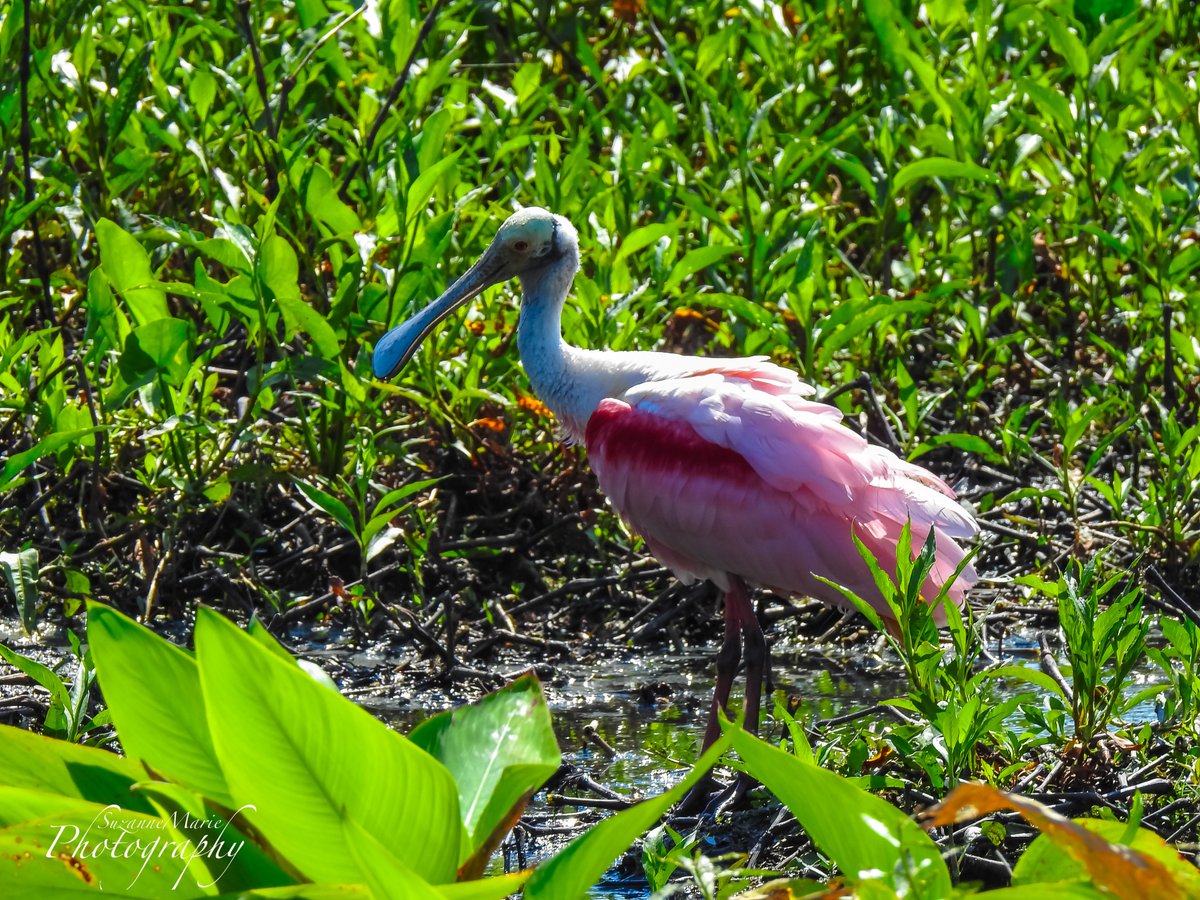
[240,735]
[945,690]
[881,852]
[982,206]
[1179,661]
[989,208]
[21,573]
[1103,649]
[67,716]
[866,837]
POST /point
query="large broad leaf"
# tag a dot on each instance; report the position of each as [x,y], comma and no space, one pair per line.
[153,690]
[232,860]
[305,892]
[126,264]
[867,837]
[384,874]
[499,749]
[581,863]
[307,760]
[55,846]
[30,760]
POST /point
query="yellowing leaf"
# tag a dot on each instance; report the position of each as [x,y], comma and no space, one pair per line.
[1126,872]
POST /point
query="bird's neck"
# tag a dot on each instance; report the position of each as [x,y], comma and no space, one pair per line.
[557,371]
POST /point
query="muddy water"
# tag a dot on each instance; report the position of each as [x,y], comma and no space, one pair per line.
[649,706]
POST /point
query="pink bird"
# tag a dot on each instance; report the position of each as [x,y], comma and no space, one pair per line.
[724,466]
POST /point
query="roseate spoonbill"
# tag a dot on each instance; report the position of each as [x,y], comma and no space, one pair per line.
[724,466]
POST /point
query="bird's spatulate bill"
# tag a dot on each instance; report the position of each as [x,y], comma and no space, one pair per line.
[397,347]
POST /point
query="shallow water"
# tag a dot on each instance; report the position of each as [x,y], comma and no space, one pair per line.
[649,706]
[648,734]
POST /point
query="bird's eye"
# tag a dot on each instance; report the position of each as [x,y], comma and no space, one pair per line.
[521,246]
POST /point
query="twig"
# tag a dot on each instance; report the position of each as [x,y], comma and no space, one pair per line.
[1170,396]
[585,782]
[1169,594]
[260,76]
[39,252]
[587,802]
[289,80]
[414,629]
[1050,667]
[591,734]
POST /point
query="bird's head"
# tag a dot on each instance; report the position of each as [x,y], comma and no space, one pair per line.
[530,240]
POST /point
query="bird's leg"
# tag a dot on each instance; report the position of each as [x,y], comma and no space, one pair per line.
[727,665]
[737,603]
[757,656]
[741,627]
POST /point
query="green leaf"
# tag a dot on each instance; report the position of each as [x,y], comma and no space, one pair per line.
[162,347]
[323,204]
[496,888]
[1061,890]
[39,673]
[305,892]
[107,326]
[277,268]
[940,167]
[126,265]
[1031,676]
[866,837]
[38,855]
[330,504]
[384,874]
[202,91]
[694,261]
[295,751]
[1066,43]
[500,749]
[40,763]
[1050,103]
[21,573]
[300,318]
[18,462]
[643,237]
[572,872]
[153,690]
[424,185]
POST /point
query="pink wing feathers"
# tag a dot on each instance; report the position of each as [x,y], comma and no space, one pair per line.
[733,470]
